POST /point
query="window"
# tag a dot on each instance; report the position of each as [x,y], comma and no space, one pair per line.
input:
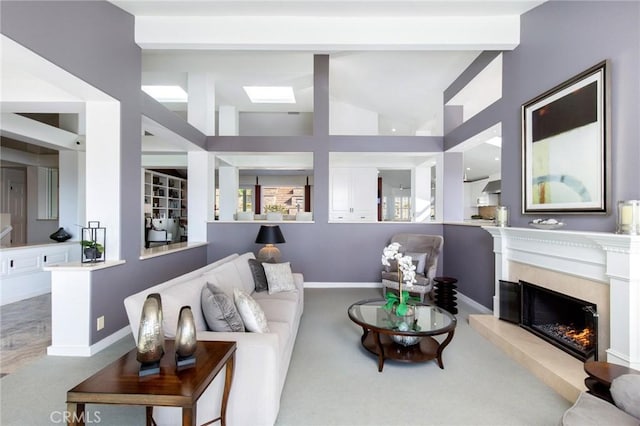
[245,199]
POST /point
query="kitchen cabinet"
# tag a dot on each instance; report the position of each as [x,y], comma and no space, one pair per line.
[353,194]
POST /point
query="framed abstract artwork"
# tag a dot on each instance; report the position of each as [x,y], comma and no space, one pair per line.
[565,146]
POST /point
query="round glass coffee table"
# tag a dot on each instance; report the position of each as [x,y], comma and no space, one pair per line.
[382,337]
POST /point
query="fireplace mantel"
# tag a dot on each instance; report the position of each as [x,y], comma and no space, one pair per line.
[612,259]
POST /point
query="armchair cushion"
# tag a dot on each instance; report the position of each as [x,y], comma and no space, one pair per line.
[418,259]
[591,410]
[625,391]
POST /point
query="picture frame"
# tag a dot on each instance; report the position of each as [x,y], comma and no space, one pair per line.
[565,146]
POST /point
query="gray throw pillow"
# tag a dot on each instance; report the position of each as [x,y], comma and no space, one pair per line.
[420,260]
[219,311]
[259,277]
[625,391]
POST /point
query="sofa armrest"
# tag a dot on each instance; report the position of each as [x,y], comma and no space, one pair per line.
[298,279]
[256,372]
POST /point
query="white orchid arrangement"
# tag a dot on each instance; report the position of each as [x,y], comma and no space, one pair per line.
[406,274]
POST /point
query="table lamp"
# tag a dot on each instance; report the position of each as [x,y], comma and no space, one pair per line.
[269,235]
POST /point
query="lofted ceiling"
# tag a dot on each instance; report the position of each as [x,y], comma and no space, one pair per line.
[392,58]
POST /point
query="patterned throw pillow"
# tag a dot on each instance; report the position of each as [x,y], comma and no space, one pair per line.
[279,277]
[259,278]
[251,313]
[219,311]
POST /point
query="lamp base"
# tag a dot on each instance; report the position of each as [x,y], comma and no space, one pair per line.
[269,254]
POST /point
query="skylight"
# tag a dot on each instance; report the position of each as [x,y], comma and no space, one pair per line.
[166,93]
[270,94]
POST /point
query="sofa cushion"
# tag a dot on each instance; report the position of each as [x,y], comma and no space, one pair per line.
[244,272]
[219,311]
[278,309]
[225,277]
[625,390]
[175,297]
[259,277]
[252,314]
[279,277]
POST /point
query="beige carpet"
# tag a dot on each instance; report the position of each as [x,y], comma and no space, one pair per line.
[332,380]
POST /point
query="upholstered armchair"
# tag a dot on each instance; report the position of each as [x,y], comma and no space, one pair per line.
[424,251]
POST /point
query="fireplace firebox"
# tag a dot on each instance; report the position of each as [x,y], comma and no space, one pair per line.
[564,321]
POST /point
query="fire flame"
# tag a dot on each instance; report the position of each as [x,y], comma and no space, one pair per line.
[583,338]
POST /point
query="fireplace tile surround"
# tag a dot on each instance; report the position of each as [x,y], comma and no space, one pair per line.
[602,268]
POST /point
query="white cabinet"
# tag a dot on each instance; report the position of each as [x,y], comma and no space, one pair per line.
[353,194]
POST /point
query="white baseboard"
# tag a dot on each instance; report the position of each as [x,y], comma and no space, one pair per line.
[472,303]
[475,305]
[85,351]
[342,285]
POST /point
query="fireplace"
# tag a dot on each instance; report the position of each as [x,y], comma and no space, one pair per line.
[564,321]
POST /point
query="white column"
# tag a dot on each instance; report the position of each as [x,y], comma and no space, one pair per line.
[623,270]
[201,193]
[71,191]
[422,193]
[228,124]
[201,107]
[103,171]
[229,184]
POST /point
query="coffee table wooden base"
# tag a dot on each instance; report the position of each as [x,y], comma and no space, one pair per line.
[384,347]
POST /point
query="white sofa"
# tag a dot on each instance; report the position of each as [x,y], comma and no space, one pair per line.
[262,359]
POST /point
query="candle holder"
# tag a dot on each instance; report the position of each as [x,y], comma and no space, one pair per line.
[501,217]
[628,217]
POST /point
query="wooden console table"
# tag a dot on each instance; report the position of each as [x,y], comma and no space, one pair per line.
[119,383]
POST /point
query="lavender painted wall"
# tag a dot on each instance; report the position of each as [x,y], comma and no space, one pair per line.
[558,40]
[95,42]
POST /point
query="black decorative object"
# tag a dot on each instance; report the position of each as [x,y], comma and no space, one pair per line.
[269,235]
[185,338]
[60,235]
[150,348]
[93,243]
[445,294]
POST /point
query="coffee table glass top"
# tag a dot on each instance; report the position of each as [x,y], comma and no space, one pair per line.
[430,319]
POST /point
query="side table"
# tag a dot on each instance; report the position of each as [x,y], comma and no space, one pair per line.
[445,294]
[119,383]
[600,376]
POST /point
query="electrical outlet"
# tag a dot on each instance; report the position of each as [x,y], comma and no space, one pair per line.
[100,323]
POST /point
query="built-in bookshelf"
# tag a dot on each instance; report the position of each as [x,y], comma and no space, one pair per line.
[165,196]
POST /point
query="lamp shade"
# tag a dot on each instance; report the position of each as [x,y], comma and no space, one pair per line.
[270,234]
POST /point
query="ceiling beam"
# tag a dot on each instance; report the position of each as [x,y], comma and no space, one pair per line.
[328,33]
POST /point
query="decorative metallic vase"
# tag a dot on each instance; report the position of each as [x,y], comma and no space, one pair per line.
[150,347]
[185,338]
